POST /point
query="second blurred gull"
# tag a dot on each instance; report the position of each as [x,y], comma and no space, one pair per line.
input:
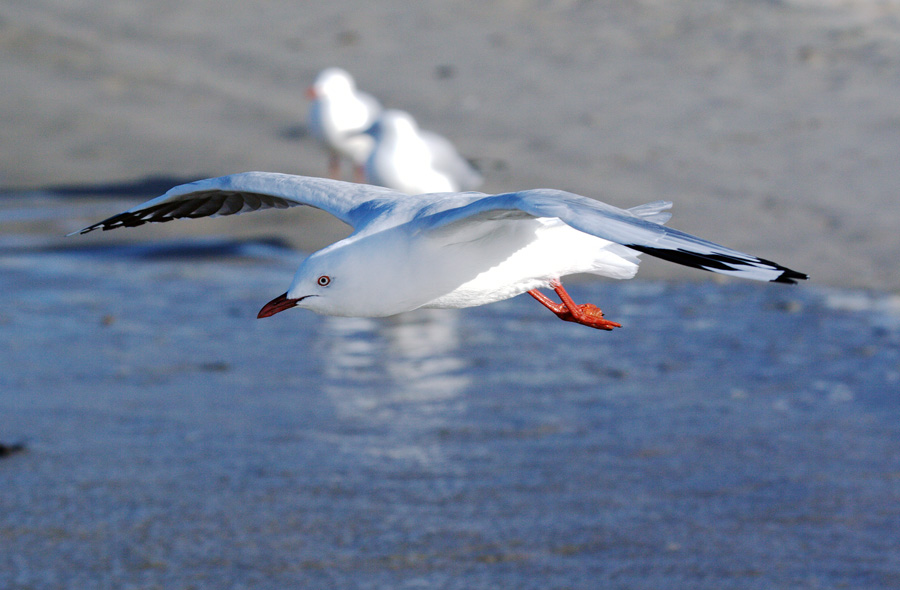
[414,161]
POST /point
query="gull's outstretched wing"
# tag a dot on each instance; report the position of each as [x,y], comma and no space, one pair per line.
[354,204]
[630,228]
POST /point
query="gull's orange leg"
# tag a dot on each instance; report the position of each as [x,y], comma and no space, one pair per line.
[334,166]
[359,173]
[586,314]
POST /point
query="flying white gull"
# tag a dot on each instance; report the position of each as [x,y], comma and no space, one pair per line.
[415,161]
[451,250]
[338,115]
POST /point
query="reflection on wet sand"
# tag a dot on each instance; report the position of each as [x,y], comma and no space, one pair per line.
[402,376]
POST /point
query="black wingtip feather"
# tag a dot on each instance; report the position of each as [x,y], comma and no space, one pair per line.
[204,204]
[789,277]
[720,262]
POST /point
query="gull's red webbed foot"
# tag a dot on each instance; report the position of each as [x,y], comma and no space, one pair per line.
[586,314]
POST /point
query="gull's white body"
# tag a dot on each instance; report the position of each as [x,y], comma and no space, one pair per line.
[449,250]
[339,114]
[415,161]
[398,269]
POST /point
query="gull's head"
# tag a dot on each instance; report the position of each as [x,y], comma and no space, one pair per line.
[339,280]
[368,276]
[330,83]
[398,123]
[320,285]
[392,125]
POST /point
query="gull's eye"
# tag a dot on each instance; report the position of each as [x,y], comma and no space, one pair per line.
[324,280]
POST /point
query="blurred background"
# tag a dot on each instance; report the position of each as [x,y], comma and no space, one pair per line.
[777,120]
[730,436]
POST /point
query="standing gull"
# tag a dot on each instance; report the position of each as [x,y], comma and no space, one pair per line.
[415,161]
[452,250]
[337,117]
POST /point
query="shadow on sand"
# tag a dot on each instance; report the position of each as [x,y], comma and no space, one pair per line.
[148,187]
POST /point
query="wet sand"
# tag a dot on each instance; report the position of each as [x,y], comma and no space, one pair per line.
[738,436]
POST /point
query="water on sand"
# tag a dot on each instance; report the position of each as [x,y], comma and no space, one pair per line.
[735,435]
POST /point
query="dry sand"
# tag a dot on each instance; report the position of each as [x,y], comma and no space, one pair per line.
[773,126]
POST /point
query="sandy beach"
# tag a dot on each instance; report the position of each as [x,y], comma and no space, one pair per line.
[773,126]
[733,434]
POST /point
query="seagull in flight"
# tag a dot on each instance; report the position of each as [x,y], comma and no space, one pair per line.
[452,250]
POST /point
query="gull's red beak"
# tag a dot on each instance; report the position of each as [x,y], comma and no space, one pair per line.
[311,93]
[278,304]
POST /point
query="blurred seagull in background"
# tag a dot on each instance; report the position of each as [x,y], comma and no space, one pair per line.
[415,161]
[452,250]
[338,115]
